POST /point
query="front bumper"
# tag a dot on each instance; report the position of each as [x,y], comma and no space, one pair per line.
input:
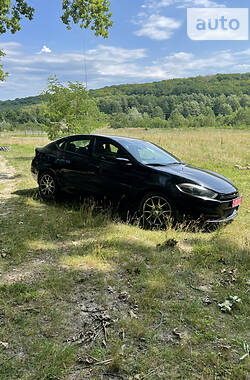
[209,211]
[34,171]
[225,220]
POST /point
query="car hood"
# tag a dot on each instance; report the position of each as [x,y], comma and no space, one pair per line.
[204,177]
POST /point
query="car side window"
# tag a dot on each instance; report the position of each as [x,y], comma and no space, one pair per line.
[78,146]
[109,151]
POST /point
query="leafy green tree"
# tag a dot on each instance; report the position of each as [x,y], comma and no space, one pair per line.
[242,117]
[157,112]
[10,116]
[245,101]
[115,106]
[93,14]
[187,108]
[70,110]
[133,101]
[233,101]
[176,120]
[10,16]
[134,114]
[2,73]
[225,109]
[119,120]
[209,118]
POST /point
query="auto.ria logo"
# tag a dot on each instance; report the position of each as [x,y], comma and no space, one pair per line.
[217,23]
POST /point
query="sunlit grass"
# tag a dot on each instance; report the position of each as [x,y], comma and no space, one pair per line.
[37,245]
[89,262]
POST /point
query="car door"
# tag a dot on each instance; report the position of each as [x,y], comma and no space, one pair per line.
[76,170]
[117,172]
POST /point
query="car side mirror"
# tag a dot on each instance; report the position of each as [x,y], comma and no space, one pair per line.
[123,161]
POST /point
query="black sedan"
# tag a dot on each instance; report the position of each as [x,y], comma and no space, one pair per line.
[159,184]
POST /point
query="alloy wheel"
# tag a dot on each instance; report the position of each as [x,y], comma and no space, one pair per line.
[156,212]
[47,186]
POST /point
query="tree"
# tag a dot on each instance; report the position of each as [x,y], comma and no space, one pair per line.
[242,117]
[2,73]
[245,101]
[69,109]
[94,14]
[134,114]
[233,101]
[88,13]
[225,109]
[209,119]
[157,112]
[119,120]
[176,120]
[10,20]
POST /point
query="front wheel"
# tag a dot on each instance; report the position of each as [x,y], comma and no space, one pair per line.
[156,211]
[47,186]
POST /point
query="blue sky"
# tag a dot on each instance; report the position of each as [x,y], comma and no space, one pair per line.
[148,42]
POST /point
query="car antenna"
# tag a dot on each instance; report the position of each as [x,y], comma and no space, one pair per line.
[79,113]
[85,76]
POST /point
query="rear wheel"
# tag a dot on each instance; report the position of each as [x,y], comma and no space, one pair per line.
[47,186]
[156,211]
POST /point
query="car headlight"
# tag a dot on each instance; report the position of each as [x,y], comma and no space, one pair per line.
[196,190]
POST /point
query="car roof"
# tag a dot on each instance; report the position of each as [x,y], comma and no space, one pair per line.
[115,138]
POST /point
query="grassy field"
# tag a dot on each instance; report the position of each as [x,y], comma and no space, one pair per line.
[85,296]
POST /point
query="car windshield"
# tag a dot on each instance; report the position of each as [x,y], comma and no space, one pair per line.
[148,153]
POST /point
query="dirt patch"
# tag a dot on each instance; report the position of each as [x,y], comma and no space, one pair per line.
[26,273]
[7,185]
[7,179]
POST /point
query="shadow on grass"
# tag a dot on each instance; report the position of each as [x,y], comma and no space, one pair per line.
[28,193]
[4,176]
[66,219]
[118,210]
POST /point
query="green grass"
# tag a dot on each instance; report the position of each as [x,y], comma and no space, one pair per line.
[79,288]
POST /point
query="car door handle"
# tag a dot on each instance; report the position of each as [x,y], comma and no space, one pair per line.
[61,161]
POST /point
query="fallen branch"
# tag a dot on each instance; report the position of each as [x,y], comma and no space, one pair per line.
[160,323]
[243,167]
[5,148]
[94,362]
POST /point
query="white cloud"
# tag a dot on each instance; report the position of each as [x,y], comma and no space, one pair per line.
[244,52]
[183,3]
[245,67]
[199,3]
[115,54]
[157,27]
[107,65]
[45,50]
[10,48]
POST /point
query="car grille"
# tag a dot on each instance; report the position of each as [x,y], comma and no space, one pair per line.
[228,212]
[223,214]
[226,197]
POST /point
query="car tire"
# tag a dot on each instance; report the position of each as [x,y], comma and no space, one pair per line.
[48,188]
[156,212]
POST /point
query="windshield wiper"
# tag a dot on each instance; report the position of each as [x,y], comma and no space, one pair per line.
[176,163]
[156,164]
[169,163]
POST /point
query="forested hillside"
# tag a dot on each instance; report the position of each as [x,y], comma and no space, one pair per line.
[213,85]
[222,100]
